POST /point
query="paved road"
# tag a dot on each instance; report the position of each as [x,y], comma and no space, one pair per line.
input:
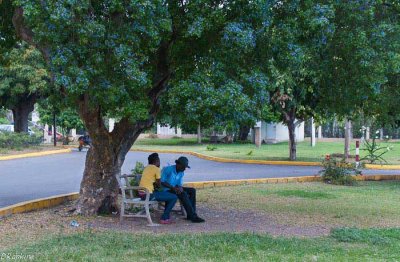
[30,178]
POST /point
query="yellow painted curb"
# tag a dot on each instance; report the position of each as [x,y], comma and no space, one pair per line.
[36,154]
[385,167]
[38,204]
[236,182]
[228,160]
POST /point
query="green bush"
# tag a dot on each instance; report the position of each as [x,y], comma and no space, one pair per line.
[4,120]
[137,174]
[338,172]
[211,148]
[11,140]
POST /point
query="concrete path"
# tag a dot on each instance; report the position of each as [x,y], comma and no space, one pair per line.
[31,178]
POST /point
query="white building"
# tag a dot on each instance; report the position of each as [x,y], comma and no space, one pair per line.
[166,130]
[278,132]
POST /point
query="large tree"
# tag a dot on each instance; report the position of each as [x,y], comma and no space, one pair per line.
[114,58]
[359,63]
[24,80]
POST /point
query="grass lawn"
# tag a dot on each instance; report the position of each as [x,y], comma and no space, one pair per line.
[369,204]
[342,245]
[279,151]
[364,222]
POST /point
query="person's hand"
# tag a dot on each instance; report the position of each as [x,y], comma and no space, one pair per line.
[177,190]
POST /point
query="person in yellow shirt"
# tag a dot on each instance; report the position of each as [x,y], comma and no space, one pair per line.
[151,176]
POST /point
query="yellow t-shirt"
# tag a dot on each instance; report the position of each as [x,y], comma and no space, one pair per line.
[149,176]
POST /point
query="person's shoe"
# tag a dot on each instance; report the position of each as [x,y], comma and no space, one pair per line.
[166,221]
[197,220]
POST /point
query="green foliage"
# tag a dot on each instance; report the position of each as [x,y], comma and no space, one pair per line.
[374,151]
[4,120]
[11,140]
[211,148]
[116,51]
[23,76]
[136,173]
[139,167]
[359,72]
[338,172]
[66,118]
[7,31]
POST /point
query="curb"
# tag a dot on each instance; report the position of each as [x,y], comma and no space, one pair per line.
[37,204]
[228,160]
[36,154]
[59,199]
[383,167]
[280,180]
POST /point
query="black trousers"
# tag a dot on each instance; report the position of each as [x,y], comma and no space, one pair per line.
[188,200]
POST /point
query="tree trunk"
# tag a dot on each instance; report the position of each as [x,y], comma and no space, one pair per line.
[244,132]
[347,138]
[312,132]
[292,140]
[290,118]
[199,134]
[99,186]
[21,113]
[319,132]
[66,136]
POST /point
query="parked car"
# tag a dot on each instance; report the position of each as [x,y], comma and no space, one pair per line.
[10,128]
[7,128]
[59,136]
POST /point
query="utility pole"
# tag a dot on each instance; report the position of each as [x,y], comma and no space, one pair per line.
[54,129]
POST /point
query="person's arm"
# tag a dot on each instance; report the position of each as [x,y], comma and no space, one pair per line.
[157,178]
[164,180]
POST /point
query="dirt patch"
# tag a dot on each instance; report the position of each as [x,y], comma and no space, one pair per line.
[22,228]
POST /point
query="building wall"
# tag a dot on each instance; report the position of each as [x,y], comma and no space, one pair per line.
[278,132]
[168,131]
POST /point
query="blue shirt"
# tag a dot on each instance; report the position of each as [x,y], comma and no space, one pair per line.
[169,175]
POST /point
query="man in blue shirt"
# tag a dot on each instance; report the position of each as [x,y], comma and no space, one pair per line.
[171,179]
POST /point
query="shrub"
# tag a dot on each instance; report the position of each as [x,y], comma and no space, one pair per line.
[11,140]
[137,174]
[375,151]
[338,172]
[211,148]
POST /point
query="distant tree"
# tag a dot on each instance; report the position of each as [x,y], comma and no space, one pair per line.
[66,118]
[293,43]
[23,80]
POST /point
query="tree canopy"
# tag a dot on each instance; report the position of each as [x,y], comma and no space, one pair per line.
[114,59]
[225,61]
